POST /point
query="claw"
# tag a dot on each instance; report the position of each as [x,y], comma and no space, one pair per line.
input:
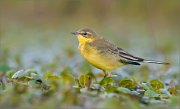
[107,74]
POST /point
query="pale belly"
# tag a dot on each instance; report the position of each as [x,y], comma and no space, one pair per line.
[99,60]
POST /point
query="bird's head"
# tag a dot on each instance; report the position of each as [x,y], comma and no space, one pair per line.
[85,35]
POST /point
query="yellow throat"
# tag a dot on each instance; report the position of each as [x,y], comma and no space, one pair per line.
[83,40]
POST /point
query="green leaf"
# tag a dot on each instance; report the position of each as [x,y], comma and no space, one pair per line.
[151,93]
[33,83]
[172,91]
[25,73]
[91,75]
[127,83]
[156,85]
[173,88]
[111,89]
[83,80]
[145,86]
[10,74]
[19,74]
[67,78]
[107,81]
[123,90]
[51,76]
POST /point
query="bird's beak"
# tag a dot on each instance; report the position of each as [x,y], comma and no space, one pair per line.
[75,33]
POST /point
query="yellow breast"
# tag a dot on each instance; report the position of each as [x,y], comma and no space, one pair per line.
[97,59]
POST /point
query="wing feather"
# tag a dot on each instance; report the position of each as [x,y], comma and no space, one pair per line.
[106,47]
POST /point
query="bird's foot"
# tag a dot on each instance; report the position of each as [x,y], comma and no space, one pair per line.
[107,75]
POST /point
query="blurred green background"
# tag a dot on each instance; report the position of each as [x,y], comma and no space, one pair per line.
[153,23]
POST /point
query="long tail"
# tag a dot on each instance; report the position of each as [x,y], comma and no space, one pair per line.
[155,62]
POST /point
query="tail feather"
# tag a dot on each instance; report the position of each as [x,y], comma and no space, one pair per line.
[155,62]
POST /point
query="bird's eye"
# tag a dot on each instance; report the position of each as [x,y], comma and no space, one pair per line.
[85,34]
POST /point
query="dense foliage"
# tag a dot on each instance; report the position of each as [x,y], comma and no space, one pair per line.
[50,85]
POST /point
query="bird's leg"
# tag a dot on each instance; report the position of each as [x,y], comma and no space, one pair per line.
[105,74]
[109,74]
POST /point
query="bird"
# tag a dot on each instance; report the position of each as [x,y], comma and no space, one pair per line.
[103,54]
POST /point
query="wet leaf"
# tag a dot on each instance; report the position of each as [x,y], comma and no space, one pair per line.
[124,90]
[151,93]
[85,81]
[111,89]
[51,76]
[66,78]
[156,84]
[19,74]
[127,83]
[91,75]
[33,83]
[172,91]
[106,81]
[10,74]
[145,86]
[25,73]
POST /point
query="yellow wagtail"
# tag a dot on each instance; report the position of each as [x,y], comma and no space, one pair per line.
[103,54]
